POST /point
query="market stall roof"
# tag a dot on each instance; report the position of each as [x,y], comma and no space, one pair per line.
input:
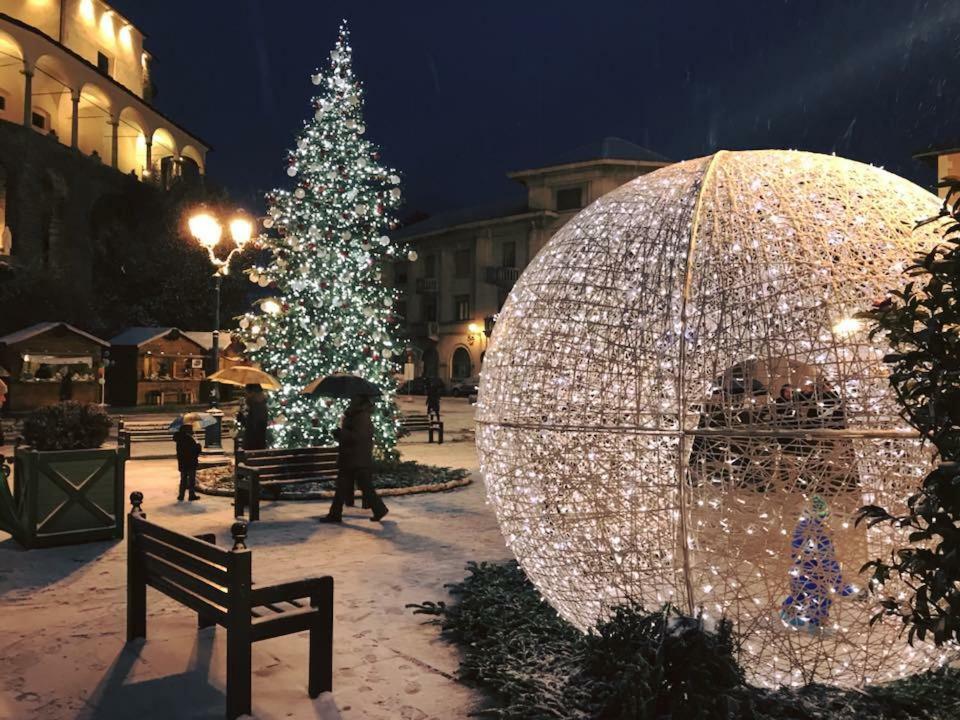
[140,336]
[40,328]
[205,338]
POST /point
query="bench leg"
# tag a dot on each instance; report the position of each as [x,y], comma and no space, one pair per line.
[254,498]
[321,642]
[136,589]
[239,499]
[238,675]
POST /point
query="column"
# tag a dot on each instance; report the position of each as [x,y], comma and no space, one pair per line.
[149,168]
[27,96]
[115,143]
[75,120]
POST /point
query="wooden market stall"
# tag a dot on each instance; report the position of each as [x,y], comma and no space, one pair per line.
[38,357]
[155,366]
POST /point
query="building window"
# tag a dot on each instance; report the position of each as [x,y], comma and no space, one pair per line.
[103,64]
[461,307]
[569,199]
[429,304]
[461,263]
[509,254]
[461,364]
[430,266]
[40,120]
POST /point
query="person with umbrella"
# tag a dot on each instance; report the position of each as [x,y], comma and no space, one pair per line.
[355,436]
[254,418]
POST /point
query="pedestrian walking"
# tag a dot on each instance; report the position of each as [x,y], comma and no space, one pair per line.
[254,418]
[188,455]
[433,397]
[355,461]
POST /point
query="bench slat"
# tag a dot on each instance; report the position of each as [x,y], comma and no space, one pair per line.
[161,569]
[289,622]
[192,601]
[211,571]
[290,460]
[216,555]
[286,592]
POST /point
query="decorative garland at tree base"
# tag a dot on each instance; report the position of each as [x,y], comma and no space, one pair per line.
[638,665]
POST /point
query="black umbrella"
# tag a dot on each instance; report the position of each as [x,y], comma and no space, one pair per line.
[341,386]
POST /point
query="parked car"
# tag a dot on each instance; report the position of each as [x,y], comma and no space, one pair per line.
[418,386]
[466,387]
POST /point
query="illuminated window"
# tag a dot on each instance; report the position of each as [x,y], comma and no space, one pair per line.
[461,307]
[569,199]
[103,64]
[40,120]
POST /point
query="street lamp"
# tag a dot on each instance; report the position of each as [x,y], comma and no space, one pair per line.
[207,230]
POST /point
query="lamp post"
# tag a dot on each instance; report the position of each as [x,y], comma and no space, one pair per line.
[206,229]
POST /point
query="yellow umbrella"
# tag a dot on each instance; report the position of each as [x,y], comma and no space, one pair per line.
[245,375]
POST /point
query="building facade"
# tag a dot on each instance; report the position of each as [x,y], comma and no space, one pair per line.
[945,159]
[75,101]
[468,260]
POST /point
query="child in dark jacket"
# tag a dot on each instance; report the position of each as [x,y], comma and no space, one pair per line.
[188,454]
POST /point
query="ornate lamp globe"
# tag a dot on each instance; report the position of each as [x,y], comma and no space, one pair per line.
[678,406]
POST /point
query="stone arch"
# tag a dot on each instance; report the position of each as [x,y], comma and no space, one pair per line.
[165,156]
[461,363]
[94,132]
[53,86]
[191,154]
[132,134]
[11,78]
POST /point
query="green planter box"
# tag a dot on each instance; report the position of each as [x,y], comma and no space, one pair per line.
[64,497]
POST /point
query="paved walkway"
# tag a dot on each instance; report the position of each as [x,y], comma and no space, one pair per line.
[62,611]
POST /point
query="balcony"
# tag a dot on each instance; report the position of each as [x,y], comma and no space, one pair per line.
[429,330]
[427,285]
[502,276]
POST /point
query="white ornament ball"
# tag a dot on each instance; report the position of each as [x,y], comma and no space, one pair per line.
[412,256]
[361,129]
[292,170]
[628,424]
[384,240]
[244,323]
[302,143]
[394,179]
[395,194]
[388,302]
[387,353]
[316,78]
[299,193]
[268,222]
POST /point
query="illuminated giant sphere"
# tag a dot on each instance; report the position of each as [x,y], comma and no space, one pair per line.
[678,406]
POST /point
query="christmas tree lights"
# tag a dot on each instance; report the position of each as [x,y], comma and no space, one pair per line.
[329,311]
[678,405]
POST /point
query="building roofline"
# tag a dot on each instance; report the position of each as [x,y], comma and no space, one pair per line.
[161,333]
[566,167]
[42,327]
[931,155]
[118,85]
[481,223]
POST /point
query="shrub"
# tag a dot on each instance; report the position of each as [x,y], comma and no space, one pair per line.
[67,426]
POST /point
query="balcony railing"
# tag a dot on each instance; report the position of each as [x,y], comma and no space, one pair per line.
[502,276]
[427,285]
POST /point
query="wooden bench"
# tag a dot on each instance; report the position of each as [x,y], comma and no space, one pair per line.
[159,430]
[217,584]
[412,422]
[271,470]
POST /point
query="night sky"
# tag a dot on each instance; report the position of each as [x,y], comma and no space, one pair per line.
[458,94]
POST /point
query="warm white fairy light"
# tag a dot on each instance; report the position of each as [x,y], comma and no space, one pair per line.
[628,424]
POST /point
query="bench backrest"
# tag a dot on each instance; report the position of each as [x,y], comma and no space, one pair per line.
[191,570]
[278,464]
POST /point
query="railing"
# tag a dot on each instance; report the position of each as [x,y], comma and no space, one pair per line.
[427,285]
[502,276]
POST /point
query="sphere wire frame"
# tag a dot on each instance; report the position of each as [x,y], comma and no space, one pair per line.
[679,406]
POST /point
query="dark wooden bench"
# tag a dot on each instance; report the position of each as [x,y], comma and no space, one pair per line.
[431,422]
[217,584]
[159,430]
[271,470]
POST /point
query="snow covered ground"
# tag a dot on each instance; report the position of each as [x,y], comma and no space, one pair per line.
[62,611]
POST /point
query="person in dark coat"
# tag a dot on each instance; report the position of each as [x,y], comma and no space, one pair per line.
[355,461]
[255,418]
[188,454]
[433,397]
[66,386]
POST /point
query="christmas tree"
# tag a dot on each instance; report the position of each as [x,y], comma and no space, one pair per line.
[329,311]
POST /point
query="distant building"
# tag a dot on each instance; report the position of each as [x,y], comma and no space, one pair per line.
[468,260]
[945,159]
[77,130]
